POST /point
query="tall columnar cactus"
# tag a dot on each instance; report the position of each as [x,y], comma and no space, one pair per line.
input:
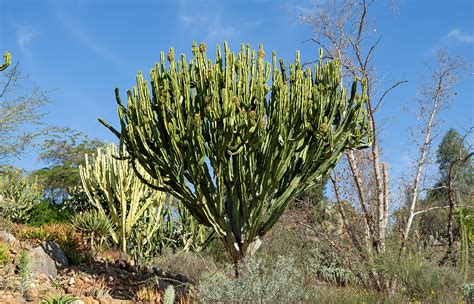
[7,58]
[236,139]
[109,179]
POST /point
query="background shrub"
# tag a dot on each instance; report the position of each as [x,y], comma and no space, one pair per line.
[47,213]
[191,264]
[258,282]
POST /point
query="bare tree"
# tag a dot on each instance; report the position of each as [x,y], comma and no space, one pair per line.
[343,30]
[20,117]
[435,94]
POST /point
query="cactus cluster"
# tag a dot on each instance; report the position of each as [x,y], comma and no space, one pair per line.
[166,226]
[237,138]
[113,188]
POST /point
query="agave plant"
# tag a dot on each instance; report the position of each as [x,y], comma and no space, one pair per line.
[56,299]
[96,228]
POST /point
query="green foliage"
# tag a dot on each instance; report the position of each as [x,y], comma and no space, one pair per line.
[433,225]
[465,218]
[453,147]
[8,60]
[4,254]
[56,299]
[96,228]
[77,201]
[152,233]
[351,295]
[257,283]
[64,152]
[264,141]
[169,295]
[18,195]
[107,179]
[47,212]
[165,227]
[418,278]
[23,270]
[336,275]
[468,292]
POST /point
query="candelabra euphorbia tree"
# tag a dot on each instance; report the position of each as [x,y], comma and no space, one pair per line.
[236,139]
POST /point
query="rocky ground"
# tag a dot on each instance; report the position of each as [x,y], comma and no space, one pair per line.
[49,273]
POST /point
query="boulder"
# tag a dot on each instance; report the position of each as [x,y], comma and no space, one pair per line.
[8,238]
[34,294]
[41,263]
[55,252]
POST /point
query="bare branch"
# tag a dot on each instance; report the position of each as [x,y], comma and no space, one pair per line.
[396,84]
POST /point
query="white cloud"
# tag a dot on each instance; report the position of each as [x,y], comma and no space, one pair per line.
[24,35]
[460,36]
[219,31]
[210,25]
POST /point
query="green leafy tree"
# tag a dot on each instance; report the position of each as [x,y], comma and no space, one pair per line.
[64,152]
[234,147]
[47,212]
[452,147]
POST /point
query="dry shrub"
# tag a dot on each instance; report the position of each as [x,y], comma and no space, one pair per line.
[259,281]
[191,264]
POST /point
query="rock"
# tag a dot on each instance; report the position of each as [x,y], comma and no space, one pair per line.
[78,301]
[19,300]
[7,237]
[72,281]
[40,262]
[6,299]
[34,294]
[114,301]
[90,300]
[56,253]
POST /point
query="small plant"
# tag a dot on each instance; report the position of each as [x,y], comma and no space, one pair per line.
[4,256]
[33,233]
[336,275]
[96,228]
[56,299]
[100,289]
[75,256]
[148,294]
[468,292]
[23,270]
[168,298]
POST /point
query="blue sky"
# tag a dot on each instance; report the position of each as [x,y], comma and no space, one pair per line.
[82,50]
